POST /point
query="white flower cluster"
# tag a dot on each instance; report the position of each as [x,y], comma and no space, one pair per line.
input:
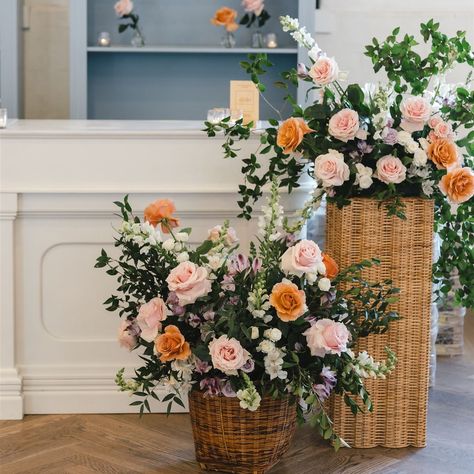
[299,34]
[249,397]
[258,302]
[184,370]
[382,98]
[364,176]
[365,366]
[271,220]
[273,359]
[178,246]
[141,234]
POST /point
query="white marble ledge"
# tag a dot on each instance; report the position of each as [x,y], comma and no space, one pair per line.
[117,129]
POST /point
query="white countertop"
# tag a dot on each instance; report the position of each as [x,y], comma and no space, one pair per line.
[17,128]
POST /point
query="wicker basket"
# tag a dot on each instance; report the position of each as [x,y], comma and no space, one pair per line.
[363,230]
[230,439]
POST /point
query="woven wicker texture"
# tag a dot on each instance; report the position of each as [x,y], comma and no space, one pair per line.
[230,439]
[363,230]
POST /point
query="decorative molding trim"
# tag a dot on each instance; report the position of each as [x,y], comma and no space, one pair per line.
[11,396]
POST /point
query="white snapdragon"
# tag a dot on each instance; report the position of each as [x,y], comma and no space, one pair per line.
[254,332]
[273,362]
[365,366]
[324,284]
[427,187]
[299,34]
[363,176]
[273,334]
[314,52]
[249,398]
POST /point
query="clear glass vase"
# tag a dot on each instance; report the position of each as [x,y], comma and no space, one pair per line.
[228,40]
[138,41]
[257,39]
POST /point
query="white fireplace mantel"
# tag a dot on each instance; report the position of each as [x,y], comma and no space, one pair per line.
[58,180]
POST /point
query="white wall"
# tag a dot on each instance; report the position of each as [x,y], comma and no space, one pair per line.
[352,24]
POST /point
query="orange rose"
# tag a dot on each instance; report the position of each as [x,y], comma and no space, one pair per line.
[226,17]
[458,185]
[443,153]
[172,345]
[291,133]
[288,301]
[332,268]
[161,212]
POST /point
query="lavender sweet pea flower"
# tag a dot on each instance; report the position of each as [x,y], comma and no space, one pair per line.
[364,147]
[194,320]
[290,240]
[202,367]
[389,136]
[323,390]
[210,386]
[328,298]
[302,71]
[256,264]
[209,315]
[228,283]
[227,389]
[238,264]
[173,303]
[248,366]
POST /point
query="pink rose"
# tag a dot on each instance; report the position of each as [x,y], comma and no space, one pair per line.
[344,125]
[189,282]
[415,112]
[123,7]
[150,316]
[435,120]
[390,170]
[324,71]
[229,239]
[331,169]
[126,335]
[444,130]
[327,337]
[227,355]
[253,6]
[303,257]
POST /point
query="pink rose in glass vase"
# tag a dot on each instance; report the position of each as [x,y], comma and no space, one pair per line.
[253,6]
[123,7]
[327,337]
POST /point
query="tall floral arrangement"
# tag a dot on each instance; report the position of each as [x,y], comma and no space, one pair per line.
[406,137]
[272,322]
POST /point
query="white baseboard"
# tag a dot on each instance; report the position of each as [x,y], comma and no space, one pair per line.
[11,398]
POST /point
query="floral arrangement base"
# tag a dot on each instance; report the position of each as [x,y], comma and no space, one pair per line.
[363,230]
[228,438]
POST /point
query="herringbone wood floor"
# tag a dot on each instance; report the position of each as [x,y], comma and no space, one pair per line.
[55,444]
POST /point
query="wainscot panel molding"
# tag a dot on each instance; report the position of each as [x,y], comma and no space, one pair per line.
[58,181]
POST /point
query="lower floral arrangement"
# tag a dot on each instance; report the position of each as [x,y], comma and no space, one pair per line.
[259,340]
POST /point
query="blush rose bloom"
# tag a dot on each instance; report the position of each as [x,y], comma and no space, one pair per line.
[288,300]
[225,17]
[443,130]
[125,337]
[416,112]
[458,185]
[443,153]
[390,169]
[327,337]
[123,7]
[331,169]
[229,239]
[161,212]
[324,71]
[253,6]
[150,318]
[344,125]
[171,345]
[303,257]
[227,355]
[189,282]
[291,133]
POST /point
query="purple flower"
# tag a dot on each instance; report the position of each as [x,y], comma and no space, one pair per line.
[228,283]
[227,389]
[173,303]
[364,147]
[389,122]
[202,367]
[256,264]
[324,389]
[194,320]
[290,240]
[238,264]
[234,300]
[248,366]
[389,136]
[328,298]
[211,386]
[209,315]
[301,71]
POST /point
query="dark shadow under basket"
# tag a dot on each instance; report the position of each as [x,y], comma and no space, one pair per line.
[228,438]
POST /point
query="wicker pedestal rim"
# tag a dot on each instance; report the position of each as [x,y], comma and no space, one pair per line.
[230,439]
[362,230]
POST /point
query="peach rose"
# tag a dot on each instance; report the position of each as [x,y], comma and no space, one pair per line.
[443,153]
[227,355]
[126,338]
[390,169]
[161,212]
[327,337]
[225,17]
[344,125]
[332,268]
[123,7]
[253,6]
[150,316]
[458,185]
[291,133]
[331,169]
[171,345]
[324,71]
[189,282]
[415,113]
[301,258]
[288,300]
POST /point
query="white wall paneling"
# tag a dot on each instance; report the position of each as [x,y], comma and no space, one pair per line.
[58,182]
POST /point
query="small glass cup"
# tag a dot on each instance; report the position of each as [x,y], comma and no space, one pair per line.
[104,39]
[3,118]
[235,114]
[271,40]
[217,114]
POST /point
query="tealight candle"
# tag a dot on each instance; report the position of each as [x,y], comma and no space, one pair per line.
[271,40]
[3,118]
[103,39]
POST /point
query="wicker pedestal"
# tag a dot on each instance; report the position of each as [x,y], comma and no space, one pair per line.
[230,439]
[363,230]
